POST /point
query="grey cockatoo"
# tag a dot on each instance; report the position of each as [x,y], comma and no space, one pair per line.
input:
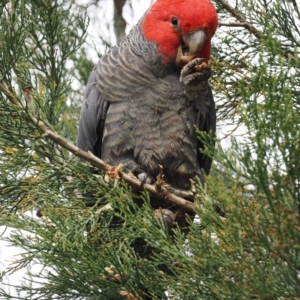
[145,96]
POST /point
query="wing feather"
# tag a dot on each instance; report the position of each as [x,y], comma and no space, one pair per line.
[92,118]
[206,122]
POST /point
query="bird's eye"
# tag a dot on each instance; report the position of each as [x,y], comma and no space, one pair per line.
[174,21]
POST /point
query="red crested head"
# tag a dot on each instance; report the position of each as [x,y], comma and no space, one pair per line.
[171,24]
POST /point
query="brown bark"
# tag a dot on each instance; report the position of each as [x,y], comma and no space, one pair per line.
[119,21]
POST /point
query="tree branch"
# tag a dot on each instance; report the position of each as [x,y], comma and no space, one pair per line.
[250,27]
[160,192]
[232,24]
[7,91]
[119,21]
[296,7]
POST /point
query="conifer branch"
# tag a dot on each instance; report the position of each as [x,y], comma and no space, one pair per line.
[247,25]
[250,27]
[163,193]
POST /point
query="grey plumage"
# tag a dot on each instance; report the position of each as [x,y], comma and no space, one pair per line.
[142,113]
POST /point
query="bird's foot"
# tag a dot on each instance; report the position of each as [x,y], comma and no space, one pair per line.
[194,75]
[145,178]
[167,216]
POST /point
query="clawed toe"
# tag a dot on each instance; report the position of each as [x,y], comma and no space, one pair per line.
[145,178]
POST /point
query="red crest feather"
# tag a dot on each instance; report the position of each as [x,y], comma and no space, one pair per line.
[192,15]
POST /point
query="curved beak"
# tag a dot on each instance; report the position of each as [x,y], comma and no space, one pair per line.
[190,47]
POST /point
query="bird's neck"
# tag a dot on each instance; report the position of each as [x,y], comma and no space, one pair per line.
[148,52]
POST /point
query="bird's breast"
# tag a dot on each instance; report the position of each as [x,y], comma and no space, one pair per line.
[167,138]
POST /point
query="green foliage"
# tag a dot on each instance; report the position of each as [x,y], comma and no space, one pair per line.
[83,66]
[98,239]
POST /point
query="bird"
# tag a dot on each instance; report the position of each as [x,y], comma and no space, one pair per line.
[146,95]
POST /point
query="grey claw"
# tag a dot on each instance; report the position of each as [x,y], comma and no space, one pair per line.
[167,216]
[190,70]
[194,79]
[145,178]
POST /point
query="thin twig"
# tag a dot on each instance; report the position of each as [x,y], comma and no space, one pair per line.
[9,114]
[9,94]
[162,193]
[296,7]
[232,24]
[250,27]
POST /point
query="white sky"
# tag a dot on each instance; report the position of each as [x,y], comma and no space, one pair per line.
[102,16]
